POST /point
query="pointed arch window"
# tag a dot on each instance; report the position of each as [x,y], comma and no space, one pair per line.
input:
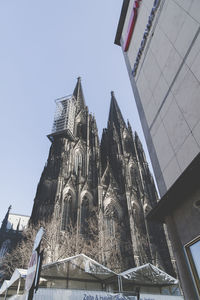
[110,226]
[5,248]
[84,214]
[79,162]
[81,130]
[67,212]
[111,215]
[133,175]
[57,214]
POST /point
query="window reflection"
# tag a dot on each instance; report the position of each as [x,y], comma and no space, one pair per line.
[193,255]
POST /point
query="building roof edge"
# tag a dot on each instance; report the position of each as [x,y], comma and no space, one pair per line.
[121,22]
[178,192]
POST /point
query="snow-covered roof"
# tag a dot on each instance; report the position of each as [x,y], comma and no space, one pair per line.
[149,275]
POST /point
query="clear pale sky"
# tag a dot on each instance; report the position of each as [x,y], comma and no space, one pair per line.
[45,46]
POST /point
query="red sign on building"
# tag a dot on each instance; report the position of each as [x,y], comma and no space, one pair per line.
[131,24]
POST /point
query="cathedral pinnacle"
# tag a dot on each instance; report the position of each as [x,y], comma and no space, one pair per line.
[115,115]
[5,220]
[78,94]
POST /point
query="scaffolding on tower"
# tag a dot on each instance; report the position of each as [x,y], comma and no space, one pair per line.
[64,117]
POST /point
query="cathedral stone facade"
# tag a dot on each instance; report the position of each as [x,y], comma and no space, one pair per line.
[111,177]
[11,234]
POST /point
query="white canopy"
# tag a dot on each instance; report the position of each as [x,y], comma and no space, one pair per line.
[4,286]
[18,273]
[149,275]
[82,268]
[78,266]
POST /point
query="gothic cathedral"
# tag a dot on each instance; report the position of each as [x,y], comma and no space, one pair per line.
[111,177]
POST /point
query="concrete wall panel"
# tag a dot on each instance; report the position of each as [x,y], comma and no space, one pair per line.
[195,67]
[161,41]
[194,10]
[163,148]
[172,65]
[187,97]
[145,92]
[196,133]
[186,35]
[187,152]
[160,91]
[177,129]
[171,172]
[172,19]
[152,71]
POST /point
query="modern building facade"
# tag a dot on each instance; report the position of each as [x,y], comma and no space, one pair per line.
[111,177]
[160,41]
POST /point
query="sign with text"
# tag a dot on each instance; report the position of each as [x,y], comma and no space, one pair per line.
[88,296]
[65,294]
[38,238]
[34,267]
[31,270]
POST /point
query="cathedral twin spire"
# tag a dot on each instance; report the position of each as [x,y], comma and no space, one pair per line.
[115,115]
[117,131]
[78,94]
[82,175]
